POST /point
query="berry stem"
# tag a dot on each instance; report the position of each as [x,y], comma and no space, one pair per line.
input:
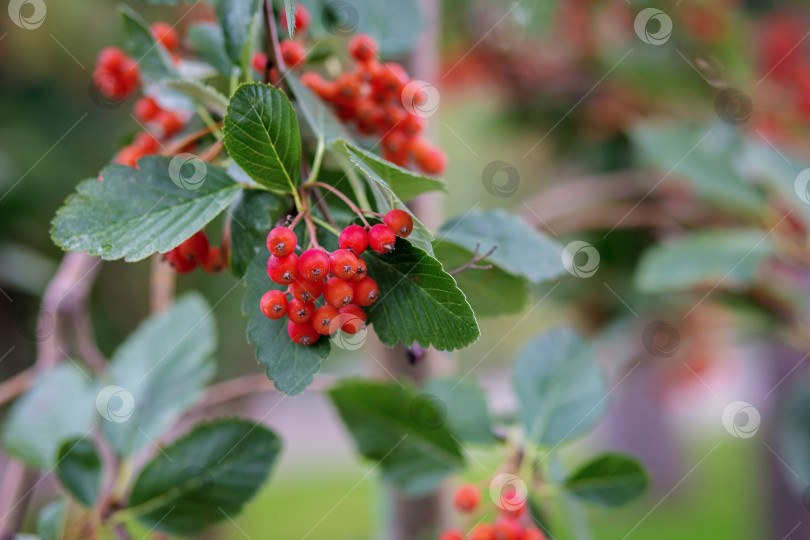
[476,258]
[354,208]
[326,225]
[307,215]
[190,138]
[210,122]
[316,162]
[271,44]
[212,151]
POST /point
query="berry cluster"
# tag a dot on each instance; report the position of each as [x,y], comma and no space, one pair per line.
[340,277]
[510,524]
[196,251]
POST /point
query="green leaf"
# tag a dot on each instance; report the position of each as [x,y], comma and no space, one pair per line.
[608,480]
[319,117]
[727,258]
[522,251]
[385,197]
[560,390]
[208,43]
[134,213]
[465,406]
[705,157]
[261,135]
[290,8]
[157,374]
[204,477]
[235,17]
[50,520]
[254,214]
[291,367]
[154,61]
[402,431]
[204,95]
[490,292]
[58,407]
[79,469]
[419,302]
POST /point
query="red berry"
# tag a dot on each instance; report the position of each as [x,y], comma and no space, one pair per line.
[354,238]
[507,528]
[400,222]
[214,261]
[314,82]
[273,304]
[337,292]
[111,58]
[363,48]
[343,263]
[352,319]
[451,534]
[467,498]
[146,142]
[195,248]
[381,238]
[326,320]
[306,291]
[170,123]
[300,312]
[362,270]
[293,53]
[303,334]
[366,292]
[391,79]
[283,270]
[164,33]
[281,241]
[259,61]
[533,533]
[348,87]
[302,18]
[482,531]
[314,264]
[146,109]
[129,156]
[429,158]
[180,264]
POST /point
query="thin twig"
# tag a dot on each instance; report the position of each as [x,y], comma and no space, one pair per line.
[354,208]
[212,151]
[188,139]
[161,285]
[274,58]
[473,262]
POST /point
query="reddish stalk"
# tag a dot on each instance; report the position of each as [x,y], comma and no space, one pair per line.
[354,208]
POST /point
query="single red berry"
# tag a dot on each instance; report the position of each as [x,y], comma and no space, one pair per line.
[337,292]
[343,263]
[283,270]
[482,531]
[300,312]
[180,264]
[467,498]
[326,320]
[109,83]
[302,18]
[305,290]
[400,222]
[293,53]
[533,533]
[214,261]
[111,58]
[367,112]
[507,528]
[314,264]
[281,241]
[170,123]
[431,159]
[313,81]
[381,238]
[352,319]
[354,238]
[146,109]
[259,61]
[129,156]
[195,248]
[390,80]
[451,534]
[366,292]
[361,272]
[394,142]
[363,48]
[348,87]
[166,35]
[146,143]
[303,334]
[273,304]
[412,125]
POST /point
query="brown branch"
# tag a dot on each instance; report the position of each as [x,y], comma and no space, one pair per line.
[274,58]
[473,262]
[354,208]
[247,385]
[161,285]
[188,139]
